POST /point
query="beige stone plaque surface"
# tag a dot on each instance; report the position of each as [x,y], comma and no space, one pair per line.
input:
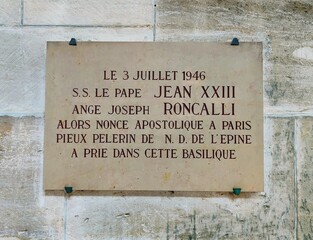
[154,116]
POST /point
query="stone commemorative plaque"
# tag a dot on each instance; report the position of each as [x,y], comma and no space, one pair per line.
[154,116]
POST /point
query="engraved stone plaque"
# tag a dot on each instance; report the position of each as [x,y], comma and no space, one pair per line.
[154,116]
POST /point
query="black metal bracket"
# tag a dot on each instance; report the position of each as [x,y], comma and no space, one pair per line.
[235,42]
[68,189]
[236,191]
[73,42]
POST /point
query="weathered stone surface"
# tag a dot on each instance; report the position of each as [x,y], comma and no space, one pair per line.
[285,28]
[25,211]
[304,143]
[10,12]
[159,215]
[9,238]
[287,77]
[86,13]
[22,61]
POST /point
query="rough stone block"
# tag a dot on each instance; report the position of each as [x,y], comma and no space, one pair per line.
[22,61]
[25,211]
[88,13]
[142,215]
[304,141]
[286,36]
[10,12]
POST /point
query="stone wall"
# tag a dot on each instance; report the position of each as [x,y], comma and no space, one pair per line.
[283,211]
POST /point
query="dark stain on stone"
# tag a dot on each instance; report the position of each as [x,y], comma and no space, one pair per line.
[194,230]
[205,234]
[188,231]
[5,126]
[272,91]
[280,91]
[167,230]
[299,8]
[238,6]
[307,237]
[176,232]
[304,206]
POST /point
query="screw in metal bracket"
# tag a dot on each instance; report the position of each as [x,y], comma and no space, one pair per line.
[73,42]
[68,189]
[235,42]
[236,191]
